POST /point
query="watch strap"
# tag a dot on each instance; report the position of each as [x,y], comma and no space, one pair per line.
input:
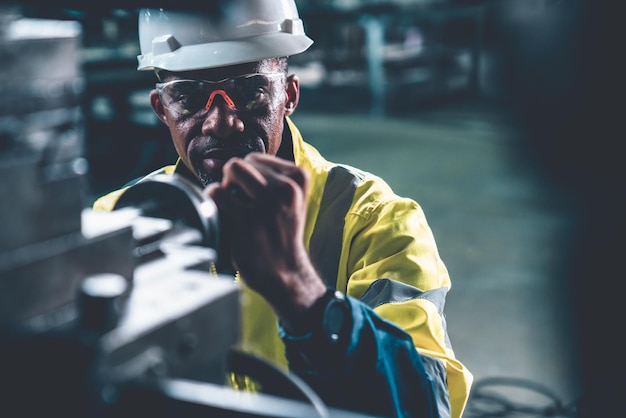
[326,336]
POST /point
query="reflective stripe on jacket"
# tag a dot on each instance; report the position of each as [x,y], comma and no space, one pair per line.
[376,247]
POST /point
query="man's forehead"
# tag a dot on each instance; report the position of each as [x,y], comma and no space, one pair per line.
[220,73]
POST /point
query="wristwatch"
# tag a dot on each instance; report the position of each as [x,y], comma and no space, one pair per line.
[326,336]
[330,316]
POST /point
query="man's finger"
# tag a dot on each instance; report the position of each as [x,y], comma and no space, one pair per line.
[272,166]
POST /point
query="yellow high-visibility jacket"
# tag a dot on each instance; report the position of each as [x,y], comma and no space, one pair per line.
[375,247]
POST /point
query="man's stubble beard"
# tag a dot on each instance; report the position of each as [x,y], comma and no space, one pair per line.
[206,178]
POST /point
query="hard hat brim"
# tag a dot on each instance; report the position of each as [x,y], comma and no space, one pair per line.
[224,53]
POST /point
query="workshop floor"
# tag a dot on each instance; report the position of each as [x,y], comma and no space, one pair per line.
[499,230]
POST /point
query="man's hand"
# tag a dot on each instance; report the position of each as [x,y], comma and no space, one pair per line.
[262,207]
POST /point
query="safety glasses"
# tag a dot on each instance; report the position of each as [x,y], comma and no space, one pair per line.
[243,93]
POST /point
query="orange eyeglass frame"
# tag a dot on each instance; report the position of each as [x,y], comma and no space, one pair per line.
[224,95]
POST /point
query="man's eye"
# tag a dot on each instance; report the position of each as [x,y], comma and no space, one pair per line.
[257,95]
[180,96]
[190,101]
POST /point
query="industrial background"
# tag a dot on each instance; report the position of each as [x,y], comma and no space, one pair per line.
[493,115]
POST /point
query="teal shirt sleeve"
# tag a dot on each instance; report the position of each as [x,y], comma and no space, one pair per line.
[377,371]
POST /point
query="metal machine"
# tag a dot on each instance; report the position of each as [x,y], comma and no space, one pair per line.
[90,301]
[108,314]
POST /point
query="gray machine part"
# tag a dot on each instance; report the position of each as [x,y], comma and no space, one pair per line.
[107,314]
[89,302]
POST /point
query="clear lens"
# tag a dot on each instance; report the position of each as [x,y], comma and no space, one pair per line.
[247,92]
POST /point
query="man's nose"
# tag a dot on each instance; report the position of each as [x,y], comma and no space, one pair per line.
[221,120]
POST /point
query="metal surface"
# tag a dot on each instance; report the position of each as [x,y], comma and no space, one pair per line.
[82,309]
[41,135]
[105,314]
[175,198]
[192,399]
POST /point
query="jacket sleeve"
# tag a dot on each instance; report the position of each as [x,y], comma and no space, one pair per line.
[390,262]
[378,371]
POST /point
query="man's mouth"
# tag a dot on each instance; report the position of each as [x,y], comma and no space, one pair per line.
[215,159]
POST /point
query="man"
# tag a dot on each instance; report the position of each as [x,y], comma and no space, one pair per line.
[297,226]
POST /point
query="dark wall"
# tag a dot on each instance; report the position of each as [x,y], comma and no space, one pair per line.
[561,69]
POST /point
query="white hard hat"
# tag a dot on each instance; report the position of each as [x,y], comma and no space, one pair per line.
[222,33]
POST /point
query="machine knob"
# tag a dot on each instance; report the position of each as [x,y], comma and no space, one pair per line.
[101,301]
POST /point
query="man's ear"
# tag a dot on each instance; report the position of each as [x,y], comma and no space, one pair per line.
[293,94]
[157,106]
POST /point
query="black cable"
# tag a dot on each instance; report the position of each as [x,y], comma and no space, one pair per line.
[275,381]
[484,402]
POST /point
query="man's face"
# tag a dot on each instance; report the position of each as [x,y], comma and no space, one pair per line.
[211,123]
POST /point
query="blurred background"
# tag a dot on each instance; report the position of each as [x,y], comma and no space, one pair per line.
[498,117]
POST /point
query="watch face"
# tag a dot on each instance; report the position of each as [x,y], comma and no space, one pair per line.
[334,318]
